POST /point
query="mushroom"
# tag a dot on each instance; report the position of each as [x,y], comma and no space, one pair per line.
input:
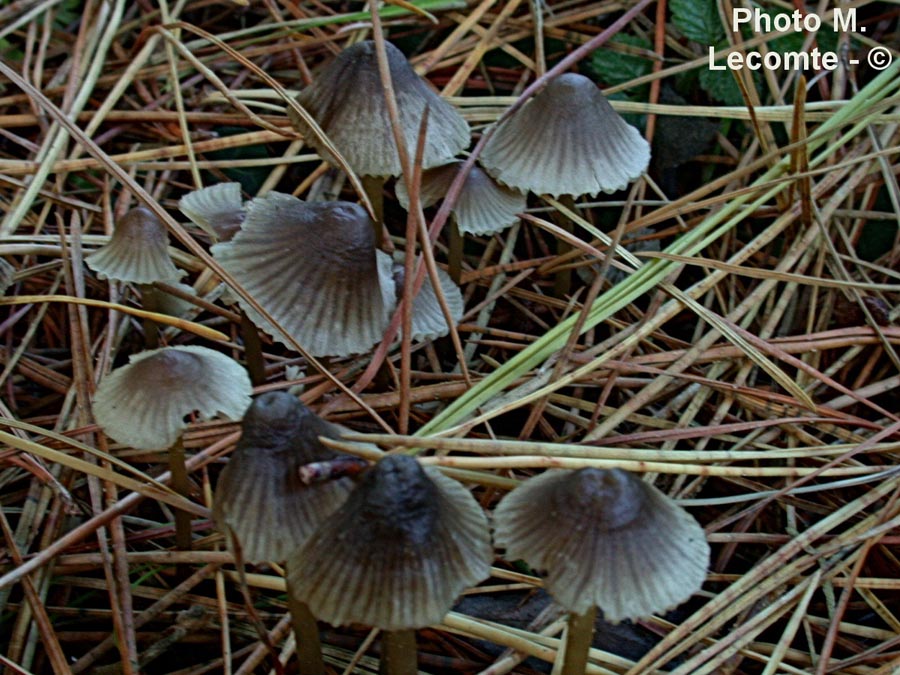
[403,546]
[261,500]
[216,209]
[606,538]
[138,252]
[483,207]
[567,140]
[144,404]
[428,320]
[318,258]
[347,101]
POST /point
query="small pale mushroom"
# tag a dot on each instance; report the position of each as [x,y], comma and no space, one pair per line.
[483,206]
[137,251]
[216,209]
[403,546]
[428,320]
[145,404]
[567,140]
[605,538]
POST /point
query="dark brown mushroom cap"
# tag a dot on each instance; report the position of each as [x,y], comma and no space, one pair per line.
[137,252]
[260,496]
[566,140]
[347,101]
[605,538]
[144,404]
[483,206]
[217,209]
[403,546]
[314,267]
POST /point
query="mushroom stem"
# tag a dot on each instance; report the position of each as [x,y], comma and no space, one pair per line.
[455,253]
[579,635]
[374,189]
[563,282]
[306,636]
[183,536]
[150,303]
[399,655]
[253,351]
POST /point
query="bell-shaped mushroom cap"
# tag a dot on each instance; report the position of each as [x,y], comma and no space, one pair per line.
[483,206]
[217,209]
[137,252]
[428,322]
[7,275]
[347,101]
[398,552]
[144,404]
[605,538]
[260,496]
[313,266]
[566,140]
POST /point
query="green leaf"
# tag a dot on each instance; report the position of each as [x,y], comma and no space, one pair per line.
[698,20]
[720,85]
[613,67]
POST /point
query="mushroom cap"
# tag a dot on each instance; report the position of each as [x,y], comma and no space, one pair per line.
[403,546]
[144,403]
[314,267]
[347,101]
[137,251]
[605,538]
[483,206]
[217,209]
[260,496]
[428,322]
[566,140]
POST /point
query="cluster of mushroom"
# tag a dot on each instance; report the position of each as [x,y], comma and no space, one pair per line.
[396,549]
[566,140]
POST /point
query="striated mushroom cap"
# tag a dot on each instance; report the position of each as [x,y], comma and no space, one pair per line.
[315,269]
[483,206]
[605,538]
[347,101]
[144,404]
[137,252]
[428,322]
[217,209]
[566,140]
[260,496]
[403,546]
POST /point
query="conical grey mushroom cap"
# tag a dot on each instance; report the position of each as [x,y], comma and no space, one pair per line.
[483,206]
[566,140]
[428,321]
[137,252]
[605,538]
[260,496]
[313,266]
[7,275]
[144,404]
[403,546]
[347,101]
[217,209]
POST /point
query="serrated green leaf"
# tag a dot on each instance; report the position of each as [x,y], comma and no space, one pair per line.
[614,67]
[720,85]
[698,20]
